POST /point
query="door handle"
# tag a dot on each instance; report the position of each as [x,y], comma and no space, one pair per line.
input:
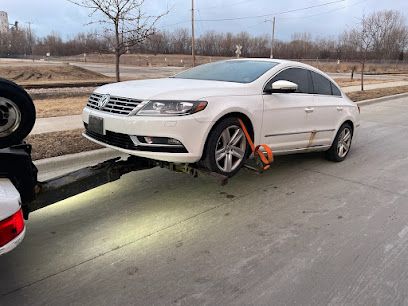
[309,109]
[339,108]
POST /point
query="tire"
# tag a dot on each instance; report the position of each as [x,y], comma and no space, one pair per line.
[224,157]
[341,145]
[17,114]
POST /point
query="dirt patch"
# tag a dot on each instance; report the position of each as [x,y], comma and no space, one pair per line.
[60,107]
[37,73]
[376,93]
[60,143]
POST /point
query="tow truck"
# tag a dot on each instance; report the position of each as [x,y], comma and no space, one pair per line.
[20,191]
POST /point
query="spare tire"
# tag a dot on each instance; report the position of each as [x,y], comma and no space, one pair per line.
[17,114]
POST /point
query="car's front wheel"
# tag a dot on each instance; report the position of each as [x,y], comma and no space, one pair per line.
[341,144]
[227,148]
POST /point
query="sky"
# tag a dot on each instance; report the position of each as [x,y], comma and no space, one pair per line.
[320,20]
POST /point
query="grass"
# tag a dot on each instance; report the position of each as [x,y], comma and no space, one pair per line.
[59,143]
[344,82]
[376,93]
[60,107]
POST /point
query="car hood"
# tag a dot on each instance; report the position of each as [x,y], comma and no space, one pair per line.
[172,88]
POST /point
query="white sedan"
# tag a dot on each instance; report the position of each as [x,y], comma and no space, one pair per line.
[192,117]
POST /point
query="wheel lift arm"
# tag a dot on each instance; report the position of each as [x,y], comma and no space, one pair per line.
[16,164]
[68,185]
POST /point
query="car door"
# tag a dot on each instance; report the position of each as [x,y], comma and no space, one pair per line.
[285,124]
[328,110]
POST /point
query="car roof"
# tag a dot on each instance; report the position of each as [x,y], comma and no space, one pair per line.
[274,60]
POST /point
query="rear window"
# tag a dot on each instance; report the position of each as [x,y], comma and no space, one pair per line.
[238,71]
[322,86]
[335,90]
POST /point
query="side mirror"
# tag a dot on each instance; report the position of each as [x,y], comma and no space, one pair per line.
[282,86]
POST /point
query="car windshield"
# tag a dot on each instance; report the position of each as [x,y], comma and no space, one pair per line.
[238,71]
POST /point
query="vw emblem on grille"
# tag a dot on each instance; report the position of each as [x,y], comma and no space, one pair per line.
[103,100]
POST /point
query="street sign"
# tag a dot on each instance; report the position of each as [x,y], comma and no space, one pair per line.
[238,51]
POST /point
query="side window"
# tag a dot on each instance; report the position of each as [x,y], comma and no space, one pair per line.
[322,86]
[335,90]
[301,77]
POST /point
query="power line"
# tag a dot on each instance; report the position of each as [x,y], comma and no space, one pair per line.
[223,5]
[279,13]
[272,14]
[326,12]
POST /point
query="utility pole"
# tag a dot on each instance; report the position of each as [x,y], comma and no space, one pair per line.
[273,36]
[30,40]
[192,33]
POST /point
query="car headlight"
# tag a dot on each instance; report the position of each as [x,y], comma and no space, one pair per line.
[171,108]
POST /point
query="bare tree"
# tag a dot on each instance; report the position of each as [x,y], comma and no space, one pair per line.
[362,38]
[124,21]
[390,33]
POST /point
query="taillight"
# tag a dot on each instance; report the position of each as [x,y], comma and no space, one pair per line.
[11,227]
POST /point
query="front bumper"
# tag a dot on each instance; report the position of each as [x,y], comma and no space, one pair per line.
[190,131]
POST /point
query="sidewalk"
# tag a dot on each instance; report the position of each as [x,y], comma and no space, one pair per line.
[57,124]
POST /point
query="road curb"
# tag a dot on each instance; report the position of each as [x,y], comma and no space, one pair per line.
[65,85]
[382,99]
[55,166]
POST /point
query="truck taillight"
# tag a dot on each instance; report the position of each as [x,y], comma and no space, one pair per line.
[11,227]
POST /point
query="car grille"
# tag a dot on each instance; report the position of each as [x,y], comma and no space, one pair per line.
[116,105]
[125,142]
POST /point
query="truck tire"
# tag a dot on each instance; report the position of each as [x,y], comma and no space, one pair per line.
[17,114]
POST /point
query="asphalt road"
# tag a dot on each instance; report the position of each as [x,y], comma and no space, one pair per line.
[308,232]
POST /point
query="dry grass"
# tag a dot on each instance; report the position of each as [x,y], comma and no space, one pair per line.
[159,60]
[344,82]
[370,68]
[184,60]
[60,107]
[59,143]
[47,73]
[376,93]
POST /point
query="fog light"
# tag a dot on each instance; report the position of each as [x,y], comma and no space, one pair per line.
[11,227]
[159,141]
[148,140]
[172,141]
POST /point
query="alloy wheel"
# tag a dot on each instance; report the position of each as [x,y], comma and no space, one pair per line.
[230,149]
[344,143]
